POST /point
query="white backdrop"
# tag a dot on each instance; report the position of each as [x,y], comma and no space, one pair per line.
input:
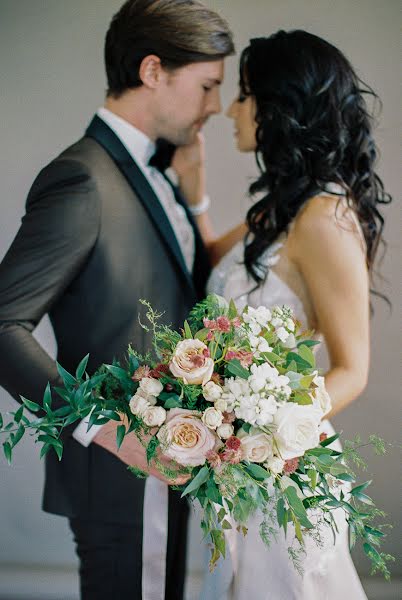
[52,81]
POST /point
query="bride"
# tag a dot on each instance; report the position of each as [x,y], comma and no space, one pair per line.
[310,240]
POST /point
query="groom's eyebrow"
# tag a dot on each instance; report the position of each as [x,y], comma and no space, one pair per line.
[214,81]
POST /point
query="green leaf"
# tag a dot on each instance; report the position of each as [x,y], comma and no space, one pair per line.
[44,450]
[96,380]
[307,355]
[173,402]
[120,433]
[218,539]
[346,477]
[235,368]
[68,379]
[152,447]
[48,439]
[371,551]
[329,440]
[271,356]
[201,477]
[306,381]
[187,331]
[226,525]
[281,512]
[202,334]
[298,531]
[297,506]
[232,312]
[118,372]
[32,406]
[298,360]
[112,415]
[212,492]
[18,435]
[71,419]
[1,421]
[18,414]
[257,472]
[302,398]
[81,367]
[308,343]
[363,498]
[47,399]
[7,452]
[360,488]
[312,474]
[59,451]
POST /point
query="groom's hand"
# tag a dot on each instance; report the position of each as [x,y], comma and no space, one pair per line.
[133,453]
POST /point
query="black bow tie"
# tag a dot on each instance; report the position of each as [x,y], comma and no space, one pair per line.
[163,155]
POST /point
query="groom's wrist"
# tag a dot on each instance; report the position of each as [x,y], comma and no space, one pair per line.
[83,435]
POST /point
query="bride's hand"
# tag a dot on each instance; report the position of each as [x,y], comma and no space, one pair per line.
[189,164]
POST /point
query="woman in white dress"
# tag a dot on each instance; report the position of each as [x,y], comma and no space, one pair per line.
[311,239]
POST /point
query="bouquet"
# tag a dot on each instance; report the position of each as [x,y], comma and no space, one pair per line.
[236,401]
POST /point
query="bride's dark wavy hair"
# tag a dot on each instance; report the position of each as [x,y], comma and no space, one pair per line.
[313,128]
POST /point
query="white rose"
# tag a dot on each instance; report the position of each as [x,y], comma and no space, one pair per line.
[221,405]
[151,386]
[138,404]
[320,396]
[297,429]
[256,446]
[225,431]
[212,418]
[154,416]
[275,464]
[191,363]
[211,391]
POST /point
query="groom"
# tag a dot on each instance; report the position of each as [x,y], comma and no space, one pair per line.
[104,228]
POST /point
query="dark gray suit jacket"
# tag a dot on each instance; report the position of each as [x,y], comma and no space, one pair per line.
[94,241]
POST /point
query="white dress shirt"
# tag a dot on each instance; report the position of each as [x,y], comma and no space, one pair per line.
[141,148]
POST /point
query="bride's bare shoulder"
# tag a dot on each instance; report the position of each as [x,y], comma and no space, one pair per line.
[325,219]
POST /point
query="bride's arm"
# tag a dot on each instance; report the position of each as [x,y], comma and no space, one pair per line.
[189,165]
[328,252]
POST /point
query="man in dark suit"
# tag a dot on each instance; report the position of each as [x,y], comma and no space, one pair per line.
[103,228]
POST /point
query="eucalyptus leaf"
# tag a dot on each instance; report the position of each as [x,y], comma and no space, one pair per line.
[235,368]
[201,477]
[257,471]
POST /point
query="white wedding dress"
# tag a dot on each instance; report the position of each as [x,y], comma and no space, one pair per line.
[251,570]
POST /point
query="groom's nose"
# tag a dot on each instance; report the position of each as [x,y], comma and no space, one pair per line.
[214,105]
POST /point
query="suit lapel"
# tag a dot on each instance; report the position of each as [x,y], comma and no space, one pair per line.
[99,131]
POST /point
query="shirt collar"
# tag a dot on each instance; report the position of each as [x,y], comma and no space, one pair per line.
[140,147]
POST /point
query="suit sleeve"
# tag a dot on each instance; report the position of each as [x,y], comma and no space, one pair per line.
[55,239]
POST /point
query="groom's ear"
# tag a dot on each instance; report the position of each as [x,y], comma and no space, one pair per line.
[151,71]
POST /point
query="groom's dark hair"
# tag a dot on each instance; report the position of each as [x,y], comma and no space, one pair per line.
[179,32]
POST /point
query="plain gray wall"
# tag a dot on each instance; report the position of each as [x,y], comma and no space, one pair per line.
[52,80]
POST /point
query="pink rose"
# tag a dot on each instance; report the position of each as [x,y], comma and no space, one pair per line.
[185,438]
[191,363]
